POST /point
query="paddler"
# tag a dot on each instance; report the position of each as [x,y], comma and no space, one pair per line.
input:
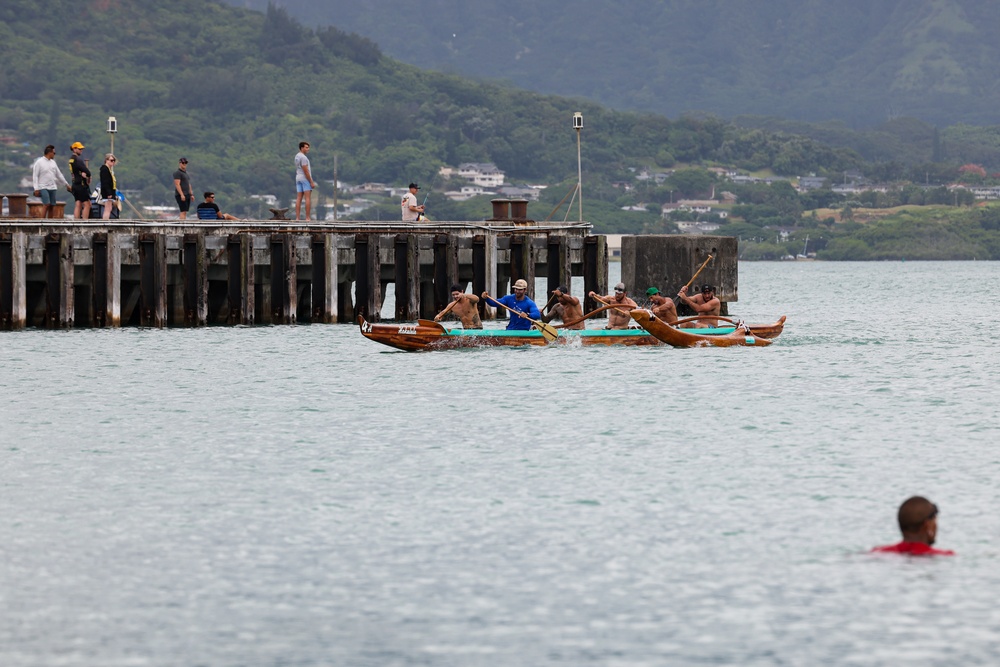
[705,303]
[566,308]
[917,519]
[464,306]
[663,308]
[520,302]
[618,318]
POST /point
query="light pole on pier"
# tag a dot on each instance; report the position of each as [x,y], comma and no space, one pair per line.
[112,130]
[578,125]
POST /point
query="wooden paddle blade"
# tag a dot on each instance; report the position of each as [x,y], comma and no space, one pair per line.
[549,332]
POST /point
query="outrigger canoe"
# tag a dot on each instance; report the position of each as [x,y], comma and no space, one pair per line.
[750,335]
[430,335]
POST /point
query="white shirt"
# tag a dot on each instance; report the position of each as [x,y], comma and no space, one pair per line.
[409,199]
[45,174]
[302,161]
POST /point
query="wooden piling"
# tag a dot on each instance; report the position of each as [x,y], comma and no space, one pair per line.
[195,281]
[407,277]
[522,261]
[284,287]
[240,288]
[59,275]
[484,271]
[595,270]
[324,279]
[13,297]
[152,280]
[445,269]
[557,263]
[106,281]
[367,277]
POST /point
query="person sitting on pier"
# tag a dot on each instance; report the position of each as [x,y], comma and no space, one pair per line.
[704,304]
[917,519]
[618,318]
[209,210]
[464,306]
[520,302]
[567,308]
[663,308]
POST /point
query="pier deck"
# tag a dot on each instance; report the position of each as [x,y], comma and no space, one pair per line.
[108,273]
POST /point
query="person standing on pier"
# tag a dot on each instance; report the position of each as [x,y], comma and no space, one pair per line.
[705,304]
[80,175]
[520,302]
[183,192]
[464,306]
[109,185]
[411,210]
[663,308]
[618,318]
[304,183]
[917,518]
[46,177]
[567,308]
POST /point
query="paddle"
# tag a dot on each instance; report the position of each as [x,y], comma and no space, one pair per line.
[624,310]
[439,316]
[547,304]
[548,331]
[677,299]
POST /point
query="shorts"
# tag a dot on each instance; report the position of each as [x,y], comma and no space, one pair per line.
[81,193]
[183,204]
[48,197]
[303,186]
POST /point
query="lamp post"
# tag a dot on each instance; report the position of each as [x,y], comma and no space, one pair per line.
[578,125]
[112,130]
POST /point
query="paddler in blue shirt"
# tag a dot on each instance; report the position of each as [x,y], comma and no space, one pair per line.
[520,302]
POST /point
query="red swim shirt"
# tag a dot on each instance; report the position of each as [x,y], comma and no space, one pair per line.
[913,549]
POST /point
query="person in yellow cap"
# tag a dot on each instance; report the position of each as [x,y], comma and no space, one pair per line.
[80,176]
[521,302]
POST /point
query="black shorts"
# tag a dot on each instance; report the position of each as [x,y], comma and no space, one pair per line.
[183,204]
[81,193]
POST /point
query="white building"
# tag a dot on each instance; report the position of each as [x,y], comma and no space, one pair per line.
[485,174]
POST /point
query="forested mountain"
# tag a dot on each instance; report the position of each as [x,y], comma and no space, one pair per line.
[858,61]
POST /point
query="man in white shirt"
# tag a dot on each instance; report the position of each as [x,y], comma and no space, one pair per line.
[411,211]
[46,177]
[304,183]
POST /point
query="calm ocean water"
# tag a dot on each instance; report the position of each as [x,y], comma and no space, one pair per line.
[302,496]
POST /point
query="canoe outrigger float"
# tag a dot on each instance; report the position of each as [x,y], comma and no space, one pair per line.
[430,335]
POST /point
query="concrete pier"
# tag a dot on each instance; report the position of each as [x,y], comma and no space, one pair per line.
[668,262]
[66,273]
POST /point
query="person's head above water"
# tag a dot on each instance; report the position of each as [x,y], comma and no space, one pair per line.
[918,520]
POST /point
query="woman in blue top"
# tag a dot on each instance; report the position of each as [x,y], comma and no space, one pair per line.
[520,302]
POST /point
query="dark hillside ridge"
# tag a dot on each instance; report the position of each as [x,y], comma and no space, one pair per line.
[860,61]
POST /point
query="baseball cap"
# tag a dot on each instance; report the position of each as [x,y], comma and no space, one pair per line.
[563,289]
[77,144]
[707,288]
[183,160]
[414,185]
[620,286]
[651,291]
[520,284]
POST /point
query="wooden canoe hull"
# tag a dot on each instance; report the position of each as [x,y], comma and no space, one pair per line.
[759,335]
[430,335]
